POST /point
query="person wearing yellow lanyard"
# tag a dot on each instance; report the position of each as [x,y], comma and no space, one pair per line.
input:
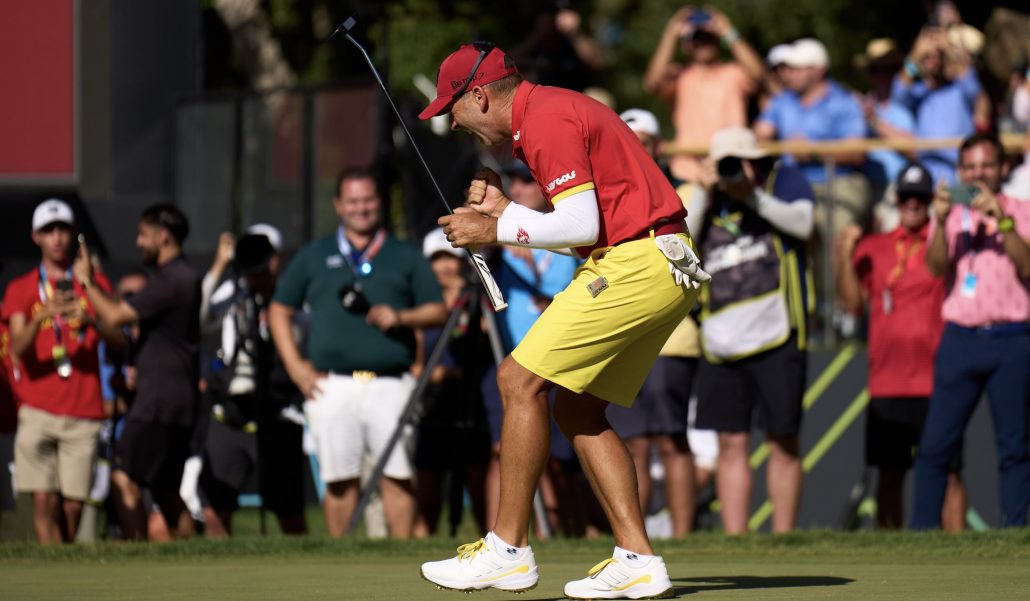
[887,272]
[54,336]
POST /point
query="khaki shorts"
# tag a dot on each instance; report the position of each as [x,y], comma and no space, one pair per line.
[601,335]
[54,453]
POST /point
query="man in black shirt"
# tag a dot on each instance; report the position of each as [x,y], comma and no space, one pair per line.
[156,440]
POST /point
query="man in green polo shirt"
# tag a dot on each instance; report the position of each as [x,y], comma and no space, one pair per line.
[367,293]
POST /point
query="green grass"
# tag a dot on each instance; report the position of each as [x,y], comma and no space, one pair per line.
[812,565]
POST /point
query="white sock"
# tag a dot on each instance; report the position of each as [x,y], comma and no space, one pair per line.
[633,560]
[504,549]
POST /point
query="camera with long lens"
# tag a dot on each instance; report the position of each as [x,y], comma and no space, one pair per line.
[353,299]
[731,170]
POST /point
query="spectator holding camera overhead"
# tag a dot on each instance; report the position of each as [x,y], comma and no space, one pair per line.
[939,86]
[888,273]
[251,396]
[155,441]
[367,293]
[708,93]
[54,335]
[753,224]
[558,52]
[979,244]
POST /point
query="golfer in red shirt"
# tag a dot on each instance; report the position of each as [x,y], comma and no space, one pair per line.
[597,341]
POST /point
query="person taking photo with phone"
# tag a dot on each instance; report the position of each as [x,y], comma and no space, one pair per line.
[981,250]
[54,335]
[707,93]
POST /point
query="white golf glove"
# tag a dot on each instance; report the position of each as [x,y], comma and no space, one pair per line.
[683,263]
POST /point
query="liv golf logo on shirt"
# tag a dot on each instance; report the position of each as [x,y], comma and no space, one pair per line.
[568,177]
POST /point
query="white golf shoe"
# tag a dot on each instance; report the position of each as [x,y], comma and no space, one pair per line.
[480,565]
[615,579]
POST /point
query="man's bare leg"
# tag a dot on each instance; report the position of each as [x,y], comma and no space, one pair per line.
[679,481]
[783,479]
[339,502]
[128,501]
[607,465]
[639,448]
[953,513]
[217,522]
[733,481]
[525,444]
[44,517]
[398,506]
[72,510]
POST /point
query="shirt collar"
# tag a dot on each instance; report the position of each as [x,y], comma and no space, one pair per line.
[900,233]
[518,113]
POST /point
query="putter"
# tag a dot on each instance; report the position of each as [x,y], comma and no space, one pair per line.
[477,261]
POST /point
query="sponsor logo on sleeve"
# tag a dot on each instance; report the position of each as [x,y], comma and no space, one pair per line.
[522,236]
[563,179]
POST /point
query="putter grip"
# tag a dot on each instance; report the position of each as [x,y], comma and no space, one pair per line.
[489,283]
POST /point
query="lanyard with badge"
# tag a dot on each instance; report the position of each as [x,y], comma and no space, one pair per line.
[59,352]
[904,257]
[352,297]
[969,280]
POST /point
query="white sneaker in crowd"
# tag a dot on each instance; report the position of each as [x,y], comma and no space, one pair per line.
[486,563]
[626,575]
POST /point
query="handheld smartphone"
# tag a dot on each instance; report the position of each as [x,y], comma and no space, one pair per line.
[963,194]
[699,18]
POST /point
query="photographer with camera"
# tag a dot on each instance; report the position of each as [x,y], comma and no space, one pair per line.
[367,293]
[251,396]
[707,93]
[979,243]
[54,335]
[753,224]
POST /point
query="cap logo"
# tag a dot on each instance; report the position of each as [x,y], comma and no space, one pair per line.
[912,175]
[457,83]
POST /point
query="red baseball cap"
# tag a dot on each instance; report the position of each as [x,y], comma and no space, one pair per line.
[493,64]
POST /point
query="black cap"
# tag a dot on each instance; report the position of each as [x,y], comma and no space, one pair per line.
[253,252]
[914,180]
[518,169]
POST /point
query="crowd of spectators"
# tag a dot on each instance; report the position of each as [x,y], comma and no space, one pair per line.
[238,366]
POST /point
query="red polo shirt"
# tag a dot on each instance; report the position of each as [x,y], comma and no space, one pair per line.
[40,386]
[905,322]
[573,143]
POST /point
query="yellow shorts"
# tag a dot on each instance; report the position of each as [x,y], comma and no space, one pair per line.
[601,334]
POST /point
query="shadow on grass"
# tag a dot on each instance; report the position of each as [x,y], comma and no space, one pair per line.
[700,584]
[697,584]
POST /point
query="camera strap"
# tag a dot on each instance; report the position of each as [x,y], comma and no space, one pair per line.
[360,265]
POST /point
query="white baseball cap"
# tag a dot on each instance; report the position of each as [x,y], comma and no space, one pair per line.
[807,52]
[778,55]
[52,211]
[737,142]
[275,237]
[436,242]
[641,121]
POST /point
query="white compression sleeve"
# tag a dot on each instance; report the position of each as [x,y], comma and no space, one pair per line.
[795,219]
[575,221]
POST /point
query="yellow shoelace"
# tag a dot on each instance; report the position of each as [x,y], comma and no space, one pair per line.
[601,566]
[469,551]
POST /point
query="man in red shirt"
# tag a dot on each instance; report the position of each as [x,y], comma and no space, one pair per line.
[888,273]
[596,342]
[54,334]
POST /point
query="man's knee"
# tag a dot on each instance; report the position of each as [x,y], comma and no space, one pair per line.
[340,488]
[787,445]
[518,385]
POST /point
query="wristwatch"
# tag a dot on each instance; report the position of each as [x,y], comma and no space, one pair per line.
[1006,224]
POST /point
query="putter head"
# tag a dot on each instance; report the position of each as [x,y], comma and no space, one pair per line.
[345,27]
